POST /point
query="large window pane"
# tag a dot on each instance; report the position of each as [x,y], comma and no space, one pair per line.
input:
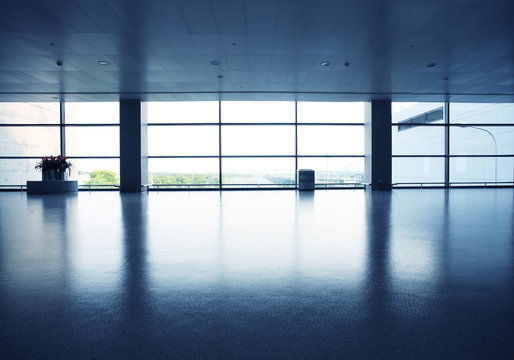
[96,171]
[330,140]
[418,140]
[183,112]
[29,113]
[481,169]
[93,141]
[18,171]
[481,140]
[466,113]
[92,112]
[258,140]
[418,113]
[183,140]
[418,170]
[29,141]
[264,172]
[330,112]
[257,111]
[334,170]
[199,172]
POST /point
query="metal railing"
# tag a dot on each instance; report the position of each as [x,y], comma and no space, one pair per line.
[98,187]
[453,183]
[329,185]
[13,187]
[332,185]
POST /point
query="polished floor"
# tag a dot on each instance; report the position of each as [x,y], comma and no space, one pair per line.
[337,274]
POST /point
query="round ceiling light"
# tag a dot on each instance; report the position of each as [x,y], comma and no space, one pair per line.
[220,76]
[431,65]
[104,63]
[324,63]
[215,62]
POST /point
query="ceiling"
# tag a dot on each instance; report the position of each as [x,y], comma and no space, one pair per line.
[268,50]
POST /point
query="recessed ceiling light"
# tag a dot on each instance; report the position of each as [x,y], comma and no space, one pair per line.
[215,62]
[411,46]
[324,63]
[431,65]
[346,64]
[446,78]
[104,63]
[235,44]
[51,44]
[58,63]
[220,76]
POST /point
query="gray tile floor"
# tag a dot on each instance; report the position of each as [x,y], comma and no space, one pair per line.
[411,274]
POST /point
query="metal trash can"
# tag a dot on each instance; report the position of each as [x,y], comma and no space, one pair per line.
[305,179]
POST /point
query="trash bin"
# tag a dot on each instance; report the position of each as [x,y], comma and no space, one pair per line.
[305,179]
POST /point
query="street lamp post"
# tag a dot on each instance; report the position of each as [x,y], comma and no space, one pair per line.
[495,148]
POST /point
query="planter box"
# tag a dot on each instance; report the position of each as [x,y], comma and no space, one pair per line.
[51,187]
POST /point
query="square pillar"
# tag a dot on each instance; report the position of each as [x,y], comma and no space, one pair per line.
[378,145]
[133,146]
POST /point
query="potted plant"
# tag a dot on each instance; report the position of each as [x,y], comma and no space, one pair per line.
[53,167]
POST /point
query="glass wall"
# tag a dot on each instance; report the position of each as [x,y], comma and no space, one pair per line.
[183,144]
[28,131]
[454,144]
[331,142]
[257,144]
[92,142]
[262,144]
[481,143]
[418,144]
[88,135]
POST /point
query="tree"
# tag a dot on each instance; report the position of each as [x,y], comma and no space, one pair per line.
[102,177]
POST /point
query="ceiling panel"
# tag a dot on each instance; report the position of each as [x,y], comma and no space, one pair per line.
[71,15]
[230,17]
[355,18]
[199,17]
[375,48]
[261,17]
[167,17]
[105,17]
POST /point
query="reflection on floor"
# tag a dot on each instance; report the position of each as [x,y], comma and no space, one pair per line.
[258,274]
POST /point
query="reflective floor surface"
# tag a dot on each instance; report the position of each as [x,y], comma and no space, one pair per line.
[410,274]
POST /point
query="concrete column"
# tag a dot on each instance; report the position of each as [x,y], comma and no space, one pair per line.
[378,148]
[133,146]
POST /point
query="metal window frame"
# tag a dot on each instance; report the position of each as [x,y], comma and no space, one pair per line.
[220,124]
[447,124]
[62,125]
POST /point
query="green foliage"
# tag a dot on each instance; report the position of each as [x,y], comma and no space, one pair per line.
[102,177]
[183,178]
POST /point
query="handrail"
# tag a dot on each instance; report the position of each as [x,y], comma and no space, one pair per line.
[318,185]
[485,183]
[22,187]
[88,187]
